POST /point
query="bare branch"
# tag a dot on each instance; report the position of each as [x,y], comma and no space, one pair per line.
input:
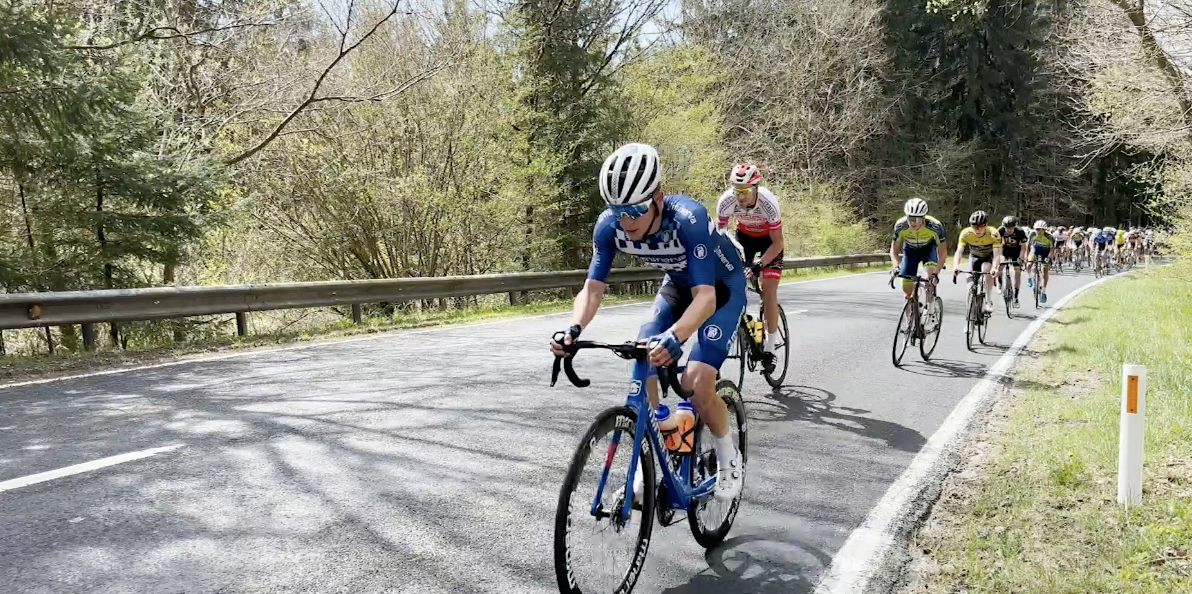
[170,32]
[313,96]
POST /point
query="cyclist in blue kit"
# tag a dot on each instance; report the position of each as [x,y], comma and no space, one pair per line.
[702,294]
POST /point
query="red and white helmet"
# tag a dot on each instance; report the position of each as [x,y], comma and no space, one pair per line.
[744,174]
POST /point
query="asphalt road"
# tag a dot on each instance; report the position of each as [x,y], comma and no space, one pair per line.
[431,461]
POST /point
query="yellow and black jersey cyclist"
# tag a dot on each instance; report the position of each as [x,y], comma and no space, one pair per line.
[985,252]
[1040,242]
[918,239]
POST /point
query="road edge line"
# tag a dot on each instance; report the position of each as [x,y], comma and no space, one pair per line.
[874,553]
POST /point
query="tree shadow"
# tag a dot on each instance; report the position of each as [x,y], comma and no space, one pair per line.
[805,403]
[758,565]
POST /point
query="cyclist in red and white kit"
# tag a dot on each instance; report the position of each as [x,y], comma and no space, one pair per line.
[759,231]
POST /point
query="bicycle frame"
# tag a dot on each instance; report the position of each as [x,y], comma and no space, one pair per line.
[679,493]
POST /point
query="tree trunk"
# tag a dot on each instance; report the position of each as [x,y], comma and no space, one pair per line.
[108,273]
[28,223]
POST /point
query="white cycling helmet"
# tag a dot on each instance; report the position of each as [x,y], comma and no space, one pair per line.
[1109,230]
[630,175]
[1040,224]
[744,174]
[915,207]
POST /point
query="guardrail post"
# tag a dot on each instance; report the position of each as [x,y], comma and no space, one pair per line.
[1130,438]
[241,323]
[88,337]
[514,298]
[357,314]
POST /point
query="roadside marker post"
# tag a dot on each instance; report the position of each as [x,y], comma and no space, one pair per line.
[1130,434]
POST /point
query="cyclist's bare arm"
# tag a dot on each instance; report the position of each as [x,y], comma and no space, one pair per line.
[588,301]
[955,258]
[943,253]
[895,252]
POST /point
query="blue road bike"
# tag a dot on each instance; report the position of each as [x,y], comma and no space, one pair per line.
[593,502]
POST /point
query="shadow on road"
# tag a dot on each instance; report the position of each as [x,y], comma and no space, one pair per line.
[805,403]
[949,368]
[758,565]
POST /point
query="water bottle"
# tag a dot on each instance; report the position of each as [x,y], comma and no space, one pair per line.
[667,426]
[684,426]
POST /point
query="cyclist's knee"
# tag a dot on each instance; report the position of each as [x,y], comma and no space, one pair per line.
[700,378]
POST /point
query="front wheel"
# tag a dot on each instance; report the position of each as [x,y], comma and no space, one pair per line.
[971,320]
[710,518]
[782,352]
[931,331]
[590,504]
[904,331]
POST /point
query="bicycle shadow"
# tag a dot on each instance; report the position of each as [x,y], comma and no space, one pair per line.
[758,565]
[948,368]
[806,403]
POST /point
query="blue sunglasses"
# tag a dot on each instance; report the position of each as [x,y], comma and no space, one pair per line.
[632,211]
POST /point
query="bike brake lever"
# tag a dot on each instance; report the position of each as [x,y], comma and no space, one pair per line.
[571,375]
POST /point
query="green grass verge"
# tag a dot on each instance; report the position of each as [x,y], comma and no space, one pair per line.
[16,367]
[1036,511]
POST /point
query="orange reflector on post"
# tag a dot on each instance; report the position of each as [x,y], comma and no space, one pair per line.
[1132,394]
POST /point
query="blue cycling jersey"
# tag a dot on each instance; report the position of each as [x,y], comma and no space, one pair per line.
[687,246]
[1101,238]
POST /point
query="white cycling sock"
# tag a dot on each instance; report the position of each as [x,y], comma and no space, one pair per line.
[725,450]
[770,340]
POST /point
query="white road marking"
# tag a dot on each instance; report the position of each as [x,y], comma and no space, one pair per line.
[379,336]
[42,477]
[868,548]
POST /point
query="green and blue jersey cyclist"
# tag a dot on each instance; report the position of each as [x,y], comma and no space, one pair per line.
[1040,242]
[759,231]
[702,295]
[918,239]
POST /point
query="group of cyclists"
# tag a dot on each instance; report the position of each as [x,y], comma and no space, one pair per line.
[702,295]
[920,239]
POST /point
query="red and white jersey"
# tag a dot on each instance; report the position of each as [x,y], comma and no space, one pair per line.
[758,221]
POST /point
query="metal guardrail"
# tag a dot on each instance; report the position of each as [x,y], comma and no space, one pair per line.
[29,310]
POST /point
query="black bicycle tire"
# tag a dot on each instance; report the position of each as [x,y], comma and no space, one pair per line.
[970,326]
[786,350]
[742,343]
[903,337]
[736,405]
[934,335]
[563,572]
[1008,292]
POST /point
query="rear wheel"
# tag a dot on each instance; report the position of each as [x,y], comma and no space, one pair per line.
[579,529]
[711,519]
[782,352]
[738,350]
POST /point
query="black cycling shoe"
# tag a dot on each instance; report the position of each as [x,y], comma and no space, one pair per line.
[768,363]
